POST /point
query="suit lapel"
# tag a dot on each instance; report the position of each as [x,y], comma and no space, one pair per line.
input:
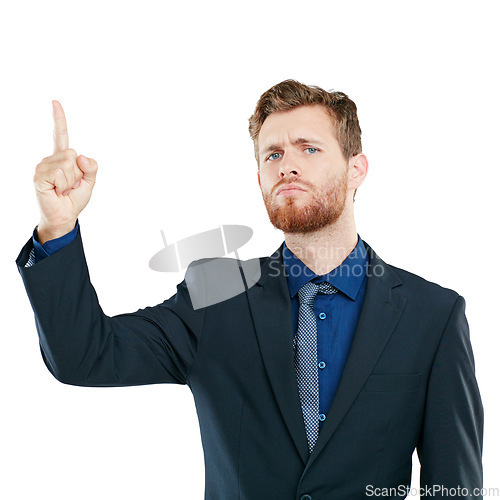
[271,311]
[270,307]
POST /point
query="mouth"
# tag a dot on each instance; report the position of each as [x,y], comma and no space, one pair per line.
[289,190]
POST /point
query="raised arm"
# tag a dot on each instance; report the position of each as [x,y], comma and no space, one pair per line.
[80,344]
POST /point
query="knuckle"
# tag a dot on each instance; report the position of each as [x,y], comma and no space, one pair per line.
[70,153]
[39,169]
[68,164]
[60,133]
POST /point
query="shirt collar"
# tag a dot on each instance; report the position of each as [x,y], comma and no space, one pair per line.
[347,277]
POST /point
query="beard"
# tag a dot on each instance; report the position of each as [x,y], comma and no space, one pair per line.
[293,216]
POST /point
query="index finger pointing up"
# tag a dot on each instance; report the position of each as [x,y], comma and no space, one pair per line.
[61,141]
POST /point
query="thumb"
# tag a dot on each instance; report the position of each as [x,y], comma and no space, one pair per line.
[89,168]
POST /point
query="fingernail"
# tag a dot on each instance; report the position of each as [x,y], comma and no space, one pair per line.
[84,160]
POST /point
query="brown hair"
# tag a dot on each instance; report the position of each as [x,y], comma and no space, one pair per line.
[290,93]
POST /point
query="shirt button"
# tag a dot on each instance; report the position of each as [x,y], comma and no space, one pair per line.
[306,497]
[321,364]
[322,417]
[322,315]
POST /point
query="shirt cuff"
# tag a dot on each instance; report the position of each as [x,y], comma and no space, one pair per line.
[52,246]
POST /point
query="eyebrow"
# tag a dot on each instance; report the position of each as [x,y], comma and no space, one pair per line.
[300,140]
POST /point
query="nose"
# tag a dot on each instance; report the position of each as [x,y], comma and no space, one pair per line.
[289,165]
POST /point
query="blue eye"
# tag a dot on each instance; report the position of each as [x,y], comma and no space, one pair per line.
[274,155]
[313,150]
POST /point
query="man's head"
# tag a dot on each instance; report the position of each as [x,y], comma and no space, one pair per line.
[310,138]
[290,94]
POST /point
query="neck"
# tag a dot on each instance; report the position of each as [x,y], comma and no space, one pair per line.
[325,249]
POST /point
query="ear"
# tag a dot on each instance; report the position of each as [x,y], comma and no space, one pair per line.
[358,168]
[258,178]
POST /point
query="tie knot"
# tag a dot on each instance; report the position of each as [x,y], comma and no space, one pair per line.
[327,288]
[308,291]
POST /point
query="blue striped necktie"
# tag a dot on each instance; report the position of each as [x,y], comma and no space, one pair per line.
[306,357]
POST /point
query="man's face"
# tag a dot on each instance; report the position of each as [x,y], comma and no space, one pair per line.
[302,171]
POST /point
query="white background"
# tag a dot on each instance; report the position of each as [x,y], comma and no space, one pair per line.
[160,95]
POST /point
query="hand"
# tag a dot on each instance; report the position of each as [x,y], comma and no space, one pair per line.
[63,183]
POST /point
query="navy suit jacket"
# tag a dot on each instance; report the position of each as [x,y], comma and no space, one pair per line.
[408,382]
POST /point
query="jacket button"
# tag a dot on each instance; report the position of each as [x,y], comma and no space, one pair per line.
[306,497]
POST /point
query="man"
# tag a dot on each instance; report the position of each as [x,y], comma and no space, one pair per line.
[320,379]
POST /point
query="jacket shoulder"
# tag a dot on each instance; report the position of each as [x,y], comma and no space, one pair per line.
[426,294]
[421,283]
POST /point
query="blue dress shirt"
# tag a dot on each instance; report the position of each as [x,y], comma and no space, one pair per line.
[336,315]
[49,247]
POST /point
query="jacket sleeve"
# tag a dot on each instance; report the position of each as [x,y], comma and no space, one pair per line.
[80,345]
[451,439]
